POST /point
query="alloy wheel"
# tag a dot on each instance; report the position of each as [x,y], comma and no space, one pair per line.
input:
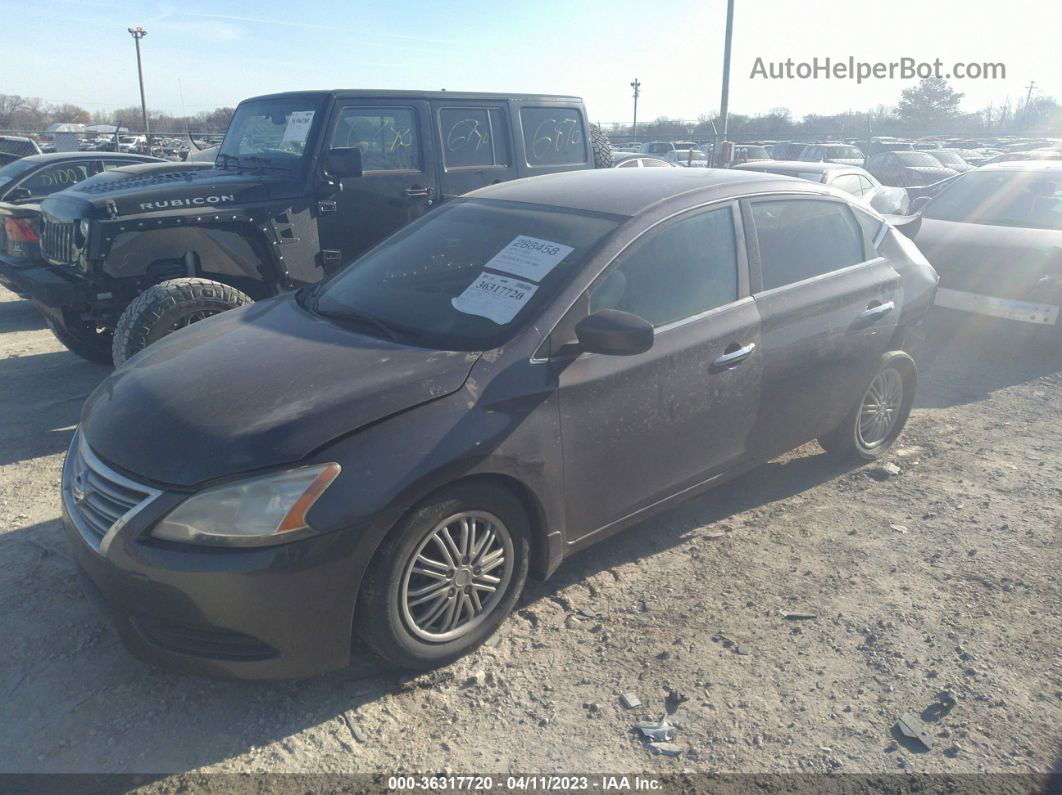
[880,409]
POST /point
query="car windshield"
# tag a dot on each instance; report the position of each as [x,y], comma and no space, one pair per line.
[466,277]
[271,134]
[13,171]
[1031,199]
[917,159]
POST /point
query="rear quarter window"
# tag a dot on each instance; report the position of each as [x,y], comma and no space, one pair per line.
[553,137]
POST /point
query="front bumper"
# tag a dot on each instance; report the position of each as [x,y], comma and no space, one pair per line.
[51,288]
[278,612]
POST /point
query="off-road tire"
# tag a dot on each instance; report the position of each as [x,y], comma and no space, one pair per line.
[602,148]
[90,343]
[164,307]
[845,441]
[379,619]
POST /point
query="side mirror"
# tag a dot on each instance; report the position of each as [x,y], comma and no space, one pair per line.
[18,194]
[614,333]
[919,204]
[344,162]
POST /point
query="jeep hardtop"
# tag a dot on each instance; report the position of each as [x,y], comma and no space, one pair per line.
[302,184]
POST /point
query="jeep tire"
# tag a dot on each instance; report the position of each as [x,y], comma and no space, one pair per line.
[602,148]
[84,338]
[165,307]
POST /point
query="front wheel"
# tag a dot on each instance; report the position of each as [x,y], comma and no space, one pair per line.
[445,578]
[879,416]
[168,306]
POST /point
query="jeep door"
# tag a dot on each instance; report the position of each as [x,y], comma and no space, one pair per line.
[639,429]
[829,306]
[398,182]
[475,144]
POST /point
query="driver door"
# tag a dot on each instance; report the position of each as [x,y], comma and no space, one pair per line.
[398,183]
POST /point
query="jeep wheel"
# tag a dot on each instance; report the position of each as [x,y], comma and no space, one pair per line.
[165,307]
[82,337]
[602,148]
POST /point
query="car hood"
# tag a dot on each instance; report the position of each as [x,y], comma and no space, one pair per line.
[165,188]
[1005,261]
[931,173]
[260,386]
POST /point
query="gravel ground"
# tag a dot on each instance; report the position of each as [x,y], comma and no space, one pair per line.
[940,573]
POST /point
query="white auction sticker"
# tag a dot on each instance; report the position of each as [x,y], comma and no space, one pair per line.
[298,126]
[529,257]
[494,297]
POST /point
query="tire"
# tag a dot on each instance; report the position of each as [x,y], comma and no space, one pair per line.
[87,340]
[384,617]
[602,148]
[165,307]
[893,384]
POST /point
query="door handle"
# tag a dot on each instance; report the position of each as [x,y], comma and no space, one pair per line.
[874,311]
[417,192]
[733,357]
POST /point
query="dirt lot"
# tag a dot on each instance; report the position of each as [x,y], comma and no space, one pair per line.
[944,576]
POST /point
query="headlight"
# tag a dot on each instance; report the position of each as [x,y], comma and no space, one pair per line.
[83,228]
[263,510]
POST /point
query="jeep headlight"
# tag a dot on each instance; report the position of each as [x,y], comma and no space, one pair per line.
[83,231]
[270,509]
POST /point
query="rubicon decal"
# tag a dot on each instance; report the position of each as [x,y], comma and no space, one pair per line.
[195,201]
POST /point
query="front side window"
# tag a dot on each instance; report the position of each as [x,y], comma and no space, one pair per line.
[681,269]
[387,137]
[467,276]
[553,136]
[802,238]
[271,134]
[55,178]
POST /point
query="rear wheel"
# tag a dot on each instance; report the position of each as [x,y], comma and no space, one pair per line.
[168,306]
[83,337]
[446,577]
[878,417]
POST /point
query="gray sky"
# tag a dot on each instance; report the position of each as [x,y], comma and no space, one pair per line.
[217,53]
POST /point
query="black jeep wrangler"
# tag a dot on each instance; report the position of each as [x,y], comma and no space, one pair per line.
[303,183]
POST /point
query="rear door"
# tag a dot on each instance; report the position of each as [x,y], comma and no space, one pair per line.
[475,144]
[399,180]
[639,429]
[829,307]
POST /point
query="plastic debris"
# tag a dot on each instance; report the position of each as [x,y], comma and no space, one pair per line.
[911,727]
[660,730]
[667,749]
[798,616]
[630,700]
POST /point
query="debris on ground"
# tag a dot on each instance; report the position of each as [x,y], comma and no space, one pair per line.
[798,616]
[674,699]
[899,528]
[911,727]
[661,730]
[630,700]
[668,749]
[884,471]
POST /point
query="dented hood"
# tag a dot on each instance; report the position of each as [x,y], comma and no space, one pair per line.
[255,387]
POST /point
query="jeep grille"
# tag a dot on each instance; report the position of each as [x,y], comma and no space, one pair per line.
[58,243]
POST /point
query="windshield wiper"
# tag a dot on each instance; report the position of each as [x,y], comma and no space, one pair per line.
[264,162]
[350,315]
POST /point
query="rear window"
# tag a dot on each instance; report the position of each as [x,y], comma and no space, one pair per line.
[802,238]
[553,136]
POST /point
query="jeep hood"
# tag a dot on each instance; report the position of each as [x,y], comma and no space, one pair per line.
[260,386]
[165,188]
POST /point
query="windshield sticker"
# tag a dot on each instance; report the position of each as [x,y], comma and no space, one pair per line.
[494,297]
[298,126]
[529,257]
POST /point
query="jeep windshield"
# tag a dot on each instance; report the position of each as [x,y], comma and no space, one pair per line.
[271,134]
[466,277]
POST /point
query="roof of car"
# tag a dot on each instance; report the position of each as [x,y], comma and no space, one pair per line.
[803,166]
[1024,165]
[629,191]
[368,92]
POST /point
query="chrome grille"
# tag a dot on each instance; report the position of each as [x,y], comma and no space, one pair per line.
[97,497]
[58,243]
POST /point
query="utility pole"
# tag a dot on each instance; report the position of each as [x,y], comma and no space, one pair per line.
[138,33]
[1028,103]
[637,86]
[724,100]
